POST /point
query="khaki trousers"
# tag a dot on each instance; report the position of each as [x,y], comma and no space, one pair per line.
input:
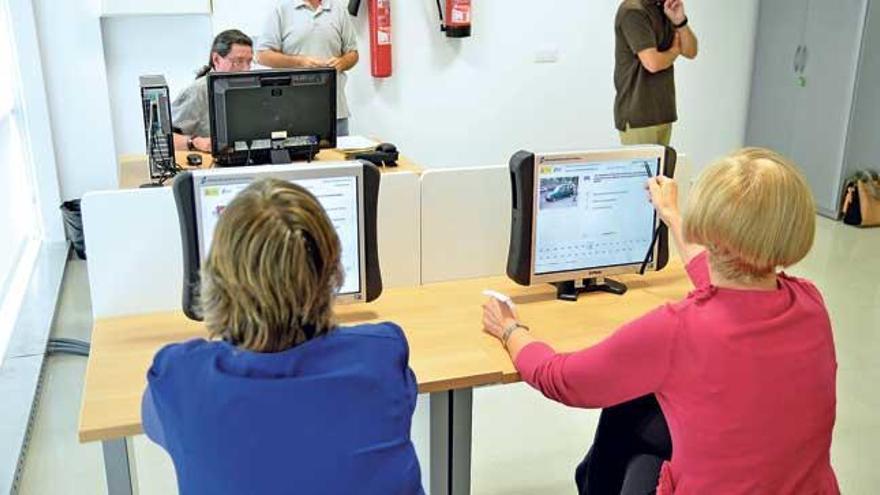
[658,134]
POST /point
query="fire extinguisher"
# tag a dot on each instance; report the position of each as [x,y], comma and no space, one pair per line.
[458,18]
[379,12]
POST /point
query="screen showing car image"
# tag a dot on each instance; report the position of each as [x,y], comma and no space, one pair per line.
[592,215]
[337,195]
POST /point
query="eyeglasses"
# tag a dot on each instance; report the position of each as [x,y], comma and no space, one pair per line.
[240,61]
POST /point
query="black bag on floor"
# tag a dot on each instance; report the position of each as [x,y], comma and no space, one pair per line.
[73,227]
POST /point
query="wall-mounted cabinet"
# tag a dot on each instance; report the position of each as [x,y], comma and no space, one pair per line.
[807,69]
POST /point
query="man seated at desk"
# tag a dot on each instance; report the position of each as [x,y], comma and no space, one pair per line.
[232,51]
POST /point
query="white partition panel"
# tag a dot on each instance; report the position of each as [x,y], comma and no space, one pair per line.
[135,260]
[399,226]
[465,223]
[134,256]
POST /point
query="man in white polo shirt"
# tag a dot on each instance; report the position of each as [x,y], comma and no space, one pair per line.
[311,33]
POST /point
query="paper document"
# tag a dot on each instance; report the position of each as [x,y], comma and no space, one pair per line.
[346,143]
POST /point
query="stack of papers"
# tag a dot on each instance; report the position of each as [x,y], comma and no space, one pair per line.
[355,144]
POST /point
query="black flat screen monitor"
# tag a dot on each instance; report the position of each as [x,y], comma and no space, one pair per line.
[585,215]
[348,192]
[274,116]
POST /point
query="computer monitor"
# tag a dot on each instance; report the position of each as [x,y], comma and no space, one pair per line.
[579,217]
[348,192]
[272,116]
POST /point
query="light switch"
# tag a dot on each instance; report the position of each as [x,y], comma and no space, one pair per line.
[547,55]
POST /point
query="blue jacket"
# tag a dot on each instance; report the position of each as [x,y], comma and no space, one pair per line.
[330,416]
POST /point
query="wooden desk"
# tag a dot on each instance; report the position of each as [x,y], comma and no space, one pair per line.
[134,170]
[449,354]
[447,350]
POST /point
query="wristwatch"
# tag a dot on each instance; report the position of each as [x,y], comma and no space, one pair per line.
[683,23]
[189,143]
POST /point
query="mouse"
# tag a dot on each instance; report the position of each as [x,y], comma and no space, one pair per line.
[194,159]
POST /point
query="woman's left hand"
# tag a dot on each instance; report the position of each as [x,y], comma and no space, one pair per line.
[497,316]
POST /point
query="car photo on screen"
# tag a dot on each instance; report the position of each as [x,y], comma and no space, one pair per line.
[558,192]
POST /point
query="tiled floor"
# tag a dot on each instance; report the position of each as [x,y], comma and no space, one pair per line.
[522,443]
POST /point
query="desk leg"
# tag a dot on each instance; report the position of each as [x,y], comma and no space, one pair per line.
[451,442]
[119,466]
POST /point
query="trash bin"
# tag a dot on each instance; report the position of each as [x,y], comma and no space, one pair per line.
[73,226]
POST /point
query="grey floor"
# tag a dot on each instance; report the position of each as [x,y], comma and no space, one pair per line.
[522,443]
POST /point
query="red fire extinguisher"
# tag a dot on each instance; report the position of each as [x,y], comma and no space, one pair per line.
[379,12]
[458,18]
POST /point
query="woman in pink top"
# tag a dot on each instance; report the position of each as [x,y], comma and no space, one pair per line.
[743,368]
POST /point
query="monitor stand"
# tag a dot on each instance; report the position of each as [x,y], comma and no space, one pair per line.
[569,290]
[285,156]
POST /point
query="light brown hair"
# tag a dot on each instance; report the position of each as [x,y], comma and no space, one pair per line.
[754,212]
[269,280]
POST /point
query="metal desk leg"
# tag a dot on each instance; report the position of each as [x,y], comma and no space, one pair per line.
[451,442]
[119,466]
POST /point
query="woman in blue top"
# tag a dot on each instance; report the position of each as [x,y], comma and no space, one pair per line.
[281,399]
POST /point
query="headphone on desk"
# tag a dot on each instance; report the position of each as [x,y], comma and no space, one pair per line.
[385,155]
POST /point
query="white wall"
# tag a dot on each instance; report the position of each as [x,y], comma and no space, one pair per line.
[16,224]
[16,191]
[478,100]
[713,90]
[19,223]
[175,46]
[229,14]
[76,85]
[450,102]
[36,127]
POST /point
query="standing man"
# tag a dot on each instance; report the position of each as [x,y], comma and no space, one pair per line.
[311,33]
[650,36]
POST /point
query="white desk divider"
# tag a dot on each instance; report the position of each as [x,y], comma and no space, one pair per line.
[134,254]
[465,223]
[133,248]
[399,227]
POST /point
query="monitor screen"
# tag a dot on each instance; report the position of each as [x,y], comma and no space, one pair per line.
[578,217]
[338,192]
[592,214]
[338,196]
[348,192]
[254,112]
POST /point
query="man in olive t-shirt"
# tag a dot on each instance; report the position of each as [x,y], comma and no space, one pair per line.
[650,35]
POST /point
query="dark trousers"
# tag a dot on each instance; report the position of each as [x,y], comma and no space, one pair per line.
[632,441]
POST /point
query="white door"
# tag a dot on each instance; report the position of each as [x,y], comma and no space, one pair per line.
[824,103]
[781,26]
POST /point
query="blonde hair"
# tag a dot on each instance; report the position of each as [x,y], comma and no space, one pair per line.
[269,281]
[754,212]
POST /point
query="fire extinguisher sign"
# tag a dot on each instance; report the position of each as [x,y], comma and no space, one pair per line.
[383,18]
[383,36]
[461,12]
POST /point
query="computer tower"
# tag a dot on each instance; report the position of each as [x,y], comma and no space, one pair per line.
[158,131]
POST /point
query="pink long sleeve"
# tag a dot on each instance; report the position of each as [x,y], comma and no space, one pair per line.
[632,362]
